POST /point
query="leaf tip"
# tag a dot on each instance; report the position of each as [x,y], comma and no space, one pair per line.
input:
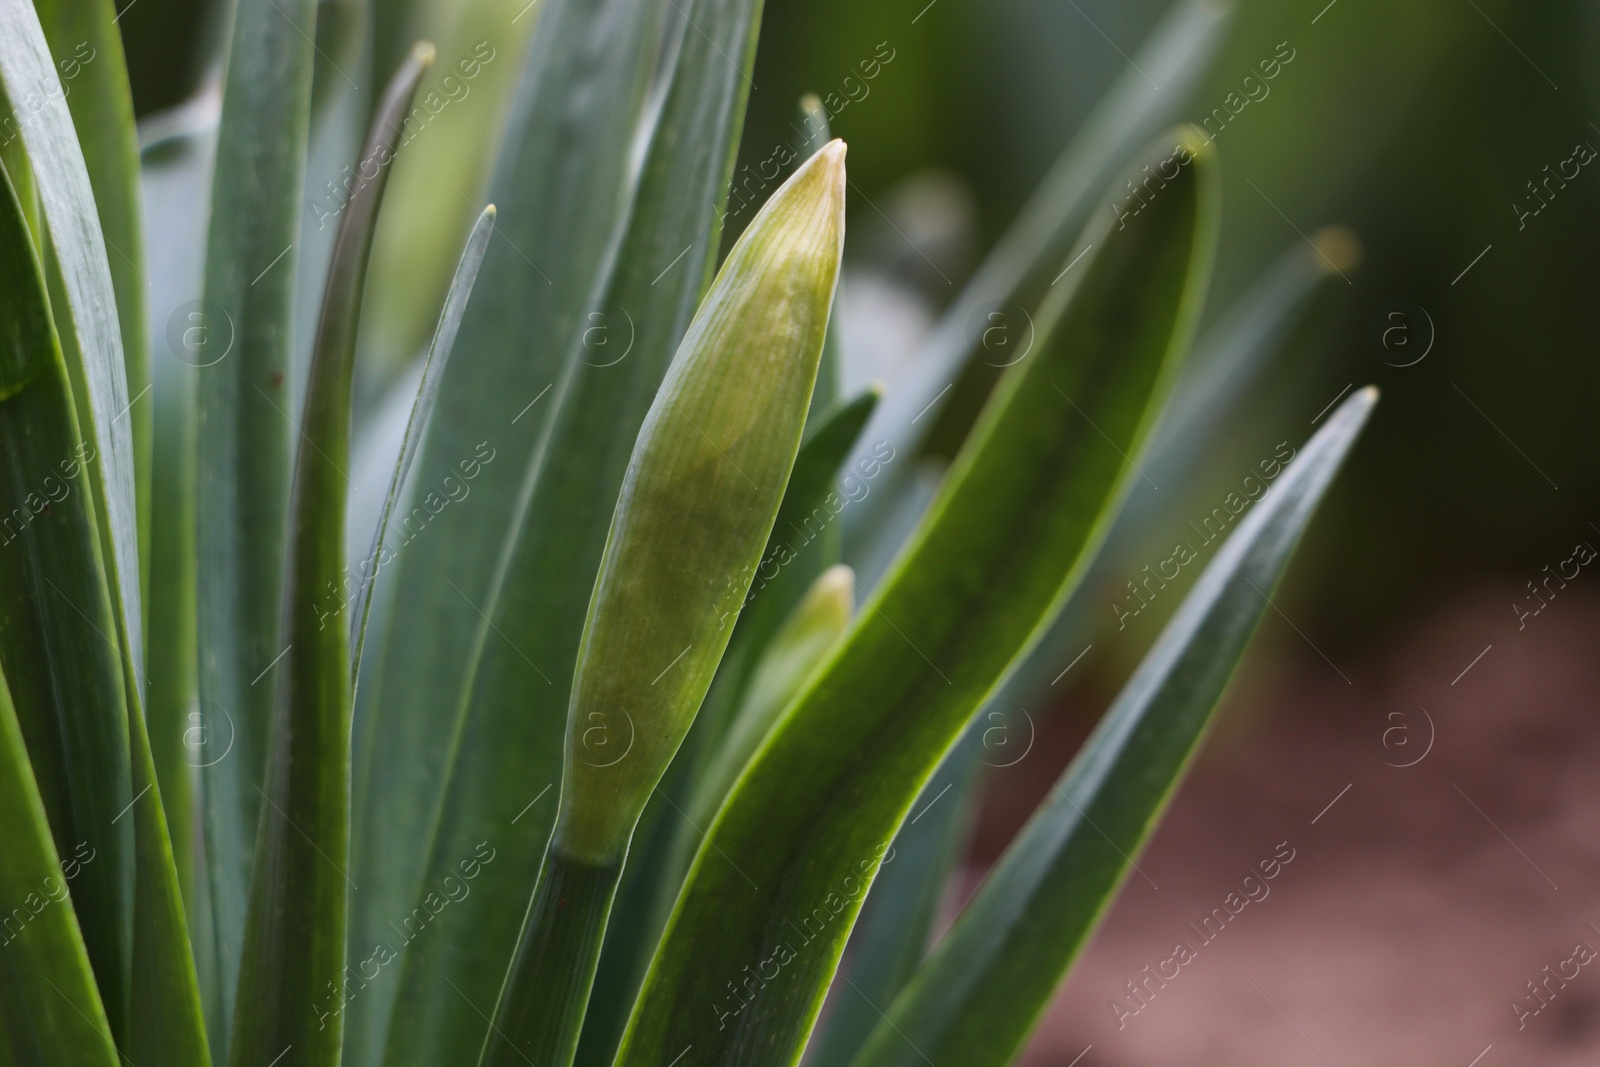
[1193,140]
[1337,249]
[1353,413]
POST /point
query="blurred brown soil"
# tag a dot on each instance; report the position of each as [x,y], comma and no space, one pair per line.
[1417,906]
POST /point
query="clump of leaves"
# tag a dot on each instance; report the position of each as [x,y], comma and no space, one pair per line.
[632,742]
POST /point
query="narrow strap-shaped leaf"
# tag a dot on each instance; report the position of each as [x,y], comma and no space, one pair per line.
[1020,268]
[240,337]
[68,207]
[563,183]
[433,366]
[50,1011]
[1228,357]
[468,745]
[786,662]
[165,1023]
[291,978]
[713,457]
[57,630]
[985,986]
[55,639]
[175,180]
[818,494]
[814,133]
[798,551]
[757,933]
[897,920]
[87,48]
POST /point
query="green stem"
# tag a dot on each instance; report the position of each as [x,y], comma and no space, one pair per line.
[540,1013]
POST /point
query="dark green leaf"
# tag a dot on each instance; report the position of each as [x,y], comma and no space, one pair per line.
[897,920]
[1018,272]
[427,392]
[1228,358]
[983,989]
[87,310]
[563,185]
[87,48]
[82,698]
[50,1009]
[66,672]
[466,758]
[757,934]
[243,333]
[292,973]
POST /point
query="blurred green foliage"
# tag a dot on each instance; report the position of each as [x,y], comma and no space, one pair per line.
[1417,124]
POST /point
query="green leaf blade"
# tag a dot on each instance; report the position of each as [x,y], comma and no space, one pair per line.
[49,1004]
[68,207]
[57,628]
[501,701]
[294,945]
[1228,358]
[562,198]
[87,46]
[1020,269]
[243,436]
[812,817]
[979,995]
[433,366]
[165,1022]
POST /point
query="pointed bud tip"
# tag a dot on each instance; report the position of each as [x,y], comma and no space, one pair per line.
[838,574]
[1193,140]
[836,589]
[823,173]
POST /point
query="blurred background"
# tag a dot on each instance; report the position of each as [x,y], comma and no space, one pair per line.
[1412,724]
